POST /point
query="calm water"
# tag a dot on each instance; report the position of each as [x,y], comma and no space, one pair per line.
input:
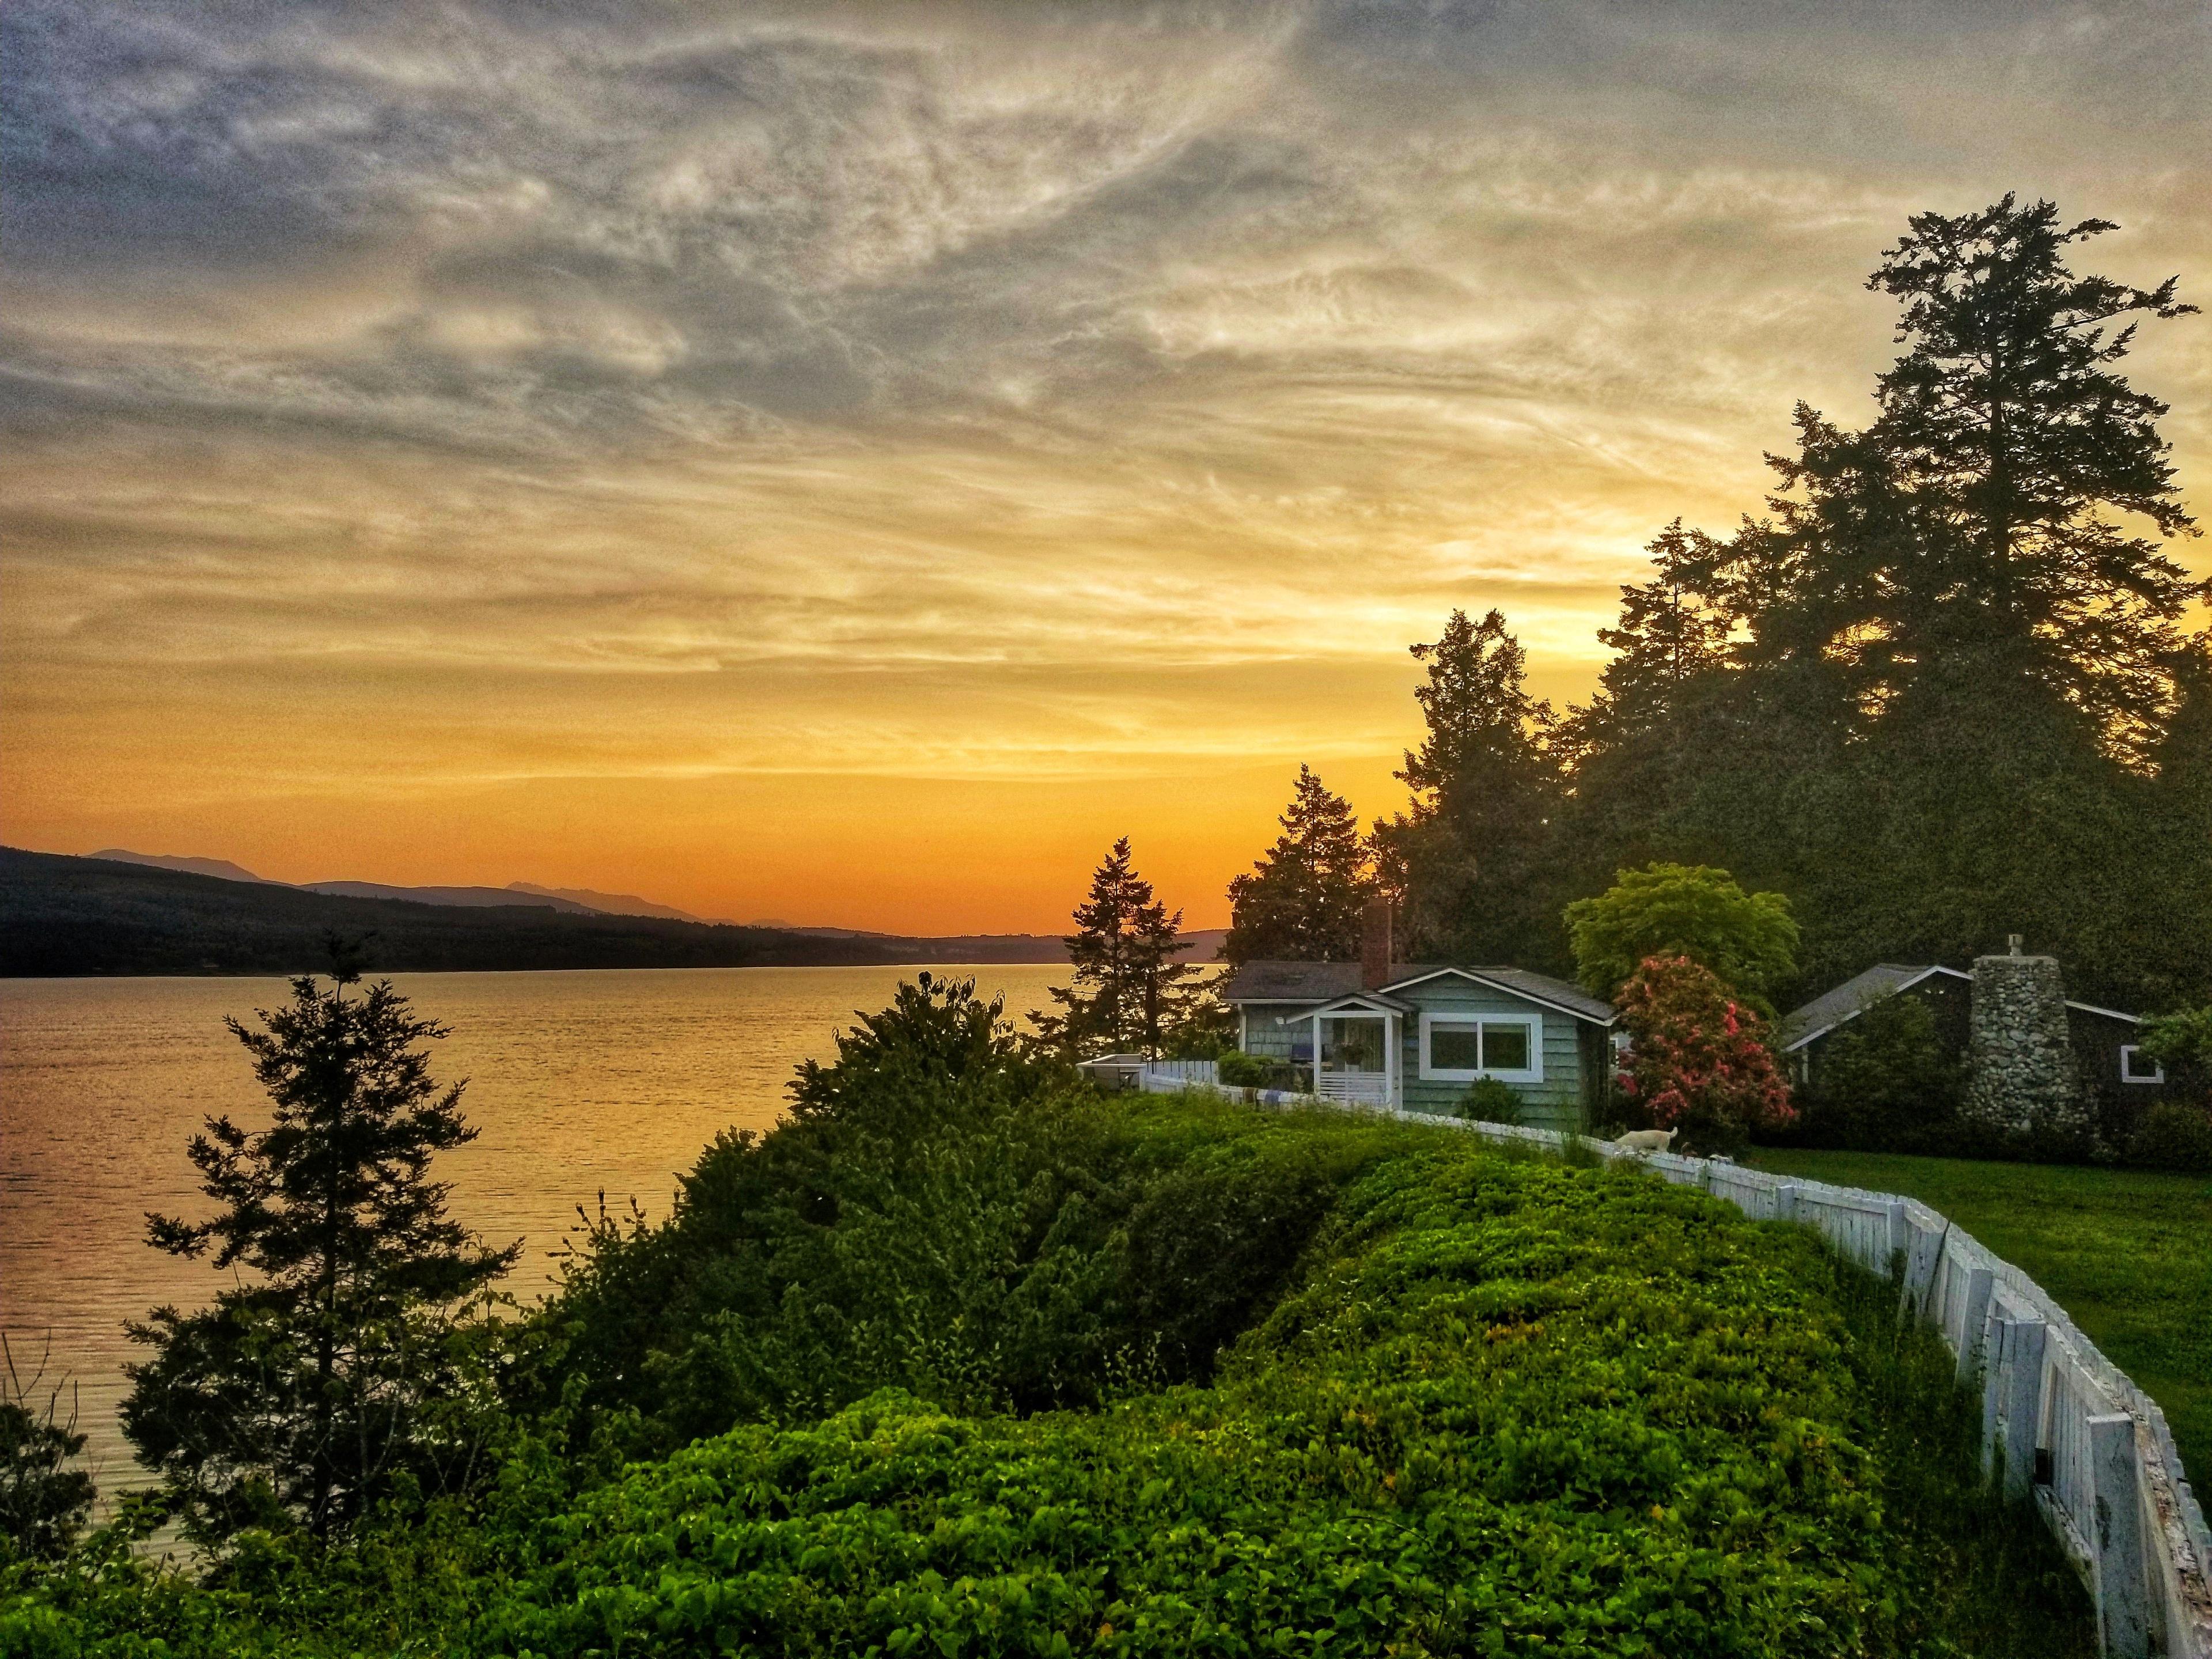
[580,1082]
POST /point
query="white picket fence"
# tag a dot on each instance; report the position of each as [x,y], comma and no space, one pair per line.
[2058,1418]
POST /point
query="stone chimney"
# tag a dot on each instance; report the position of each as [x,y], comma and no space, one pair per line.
[1375,944]
[2022,1079]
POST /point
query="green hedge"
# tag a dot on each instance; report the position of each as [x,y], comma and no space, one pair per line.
[1492,1406]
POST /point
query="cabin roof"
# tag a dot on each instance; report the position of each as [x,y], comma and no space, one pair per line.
[1262,983]
[1846,1002]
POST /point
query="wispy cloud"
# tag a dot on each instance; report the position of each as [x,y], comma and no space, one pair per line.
[958,391]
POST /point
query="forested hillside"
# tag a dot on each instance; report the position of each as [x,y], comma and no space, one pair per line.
[61,915]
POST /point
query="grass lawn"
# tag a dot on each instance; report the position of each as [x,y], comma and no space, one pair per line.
[2128,1254]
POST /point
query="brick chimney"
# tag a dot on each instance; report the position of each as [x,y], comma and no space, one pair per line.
[1375,944]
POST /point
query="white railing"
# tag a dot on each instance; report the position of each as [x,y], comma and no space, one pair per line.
[2058,1418]
[1356,1088]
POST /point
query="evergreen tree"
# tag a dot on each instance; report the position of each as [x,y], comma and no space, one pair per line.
[2010,426]
[326,1371]
[1643,748]
[1472,860]
[1129,986]
[1304,900]
[1672,636]
[1947,676]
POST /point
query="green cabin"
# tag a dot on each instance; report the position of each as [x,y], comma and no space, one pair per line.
[1415,1035]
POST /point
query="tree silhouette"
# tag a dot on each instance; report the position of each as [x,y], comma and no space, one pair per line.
[314,1380]
[1302,900]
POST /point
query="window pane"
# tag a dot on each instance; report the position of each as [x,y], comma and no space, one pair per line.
[1453,1048]
[2134,1063]
[1505,1048]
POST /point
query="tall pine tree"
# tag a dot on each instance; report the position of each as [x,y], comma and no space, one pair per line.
[2008,423]
[1950,671]
[1130,988]
[1304,898]
[1473,861]
[318,1378]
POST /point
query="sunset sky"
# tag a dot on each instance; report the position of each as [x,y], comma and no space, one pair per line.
[847,466]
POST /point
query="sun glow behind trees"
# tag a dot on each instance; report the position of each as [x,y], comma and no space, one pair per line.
[731,459]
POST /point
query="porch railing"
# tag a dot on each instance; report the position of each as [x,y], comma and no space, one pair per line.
[1356,1088]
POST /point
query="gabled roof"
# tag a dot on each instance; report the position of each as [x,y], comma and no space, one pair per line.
[1849,1000]
[1369,999]
[1306,983]
[1824,1012]
[1558,993]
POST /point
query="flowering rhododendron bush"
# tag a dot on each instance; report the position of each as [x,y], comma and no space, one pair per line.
[1698,1059]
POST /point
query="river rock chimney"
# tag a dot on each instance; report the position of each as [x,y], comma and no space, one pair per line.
[2023,1079]
[1375,944]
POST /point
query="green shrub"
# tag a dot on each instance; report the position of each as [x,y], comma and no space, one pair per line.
[1510,1406]
[1749,940]
[1489,1101]
[1242,1070]
[1001,1369]
[1886,1083]
[2175,1134]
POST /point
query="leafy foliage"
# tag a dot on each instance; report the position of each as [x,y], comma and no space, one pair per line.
[2177,1135]
[1489,1101]
[1242,1070]
[1468,859]
[1469,1403]
[307,1389]
[1940,690]
[1698,1059]
[1886,1082]
[44,1498]
[1748,940]
[2181,1038]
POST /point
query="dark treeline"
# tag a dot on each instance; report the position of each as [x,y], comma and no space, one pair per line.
[1948,686]
[86,917]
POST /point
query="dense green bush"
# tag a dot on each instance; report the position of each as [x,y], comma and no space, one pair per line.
[1242,1070]
[2175,1134]
[998,1366]
[1489,1101]
[1887,1082]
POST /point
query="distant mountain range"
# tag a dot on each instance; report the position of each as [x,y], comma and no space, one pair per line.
[120,912]
[578,901]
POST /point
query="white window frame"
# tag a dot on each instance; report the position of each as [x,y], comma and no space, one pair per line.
[1532,1024]
[2128,1053]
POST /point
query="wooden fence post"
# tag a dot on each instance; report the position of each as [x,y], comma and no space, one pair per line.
[1980,1282]
[2117,1550]
[1900,1237]
[1785,1201]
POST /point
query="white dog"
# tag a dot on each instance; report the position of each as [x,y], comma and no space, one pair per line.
[1647,1140]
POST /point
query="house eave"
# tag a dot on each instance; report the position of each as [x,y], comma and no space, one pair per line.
[1901,987]
[1510,990]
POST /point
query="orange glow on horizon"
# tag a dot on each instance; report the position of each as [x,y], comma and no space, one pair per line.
[856,498]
